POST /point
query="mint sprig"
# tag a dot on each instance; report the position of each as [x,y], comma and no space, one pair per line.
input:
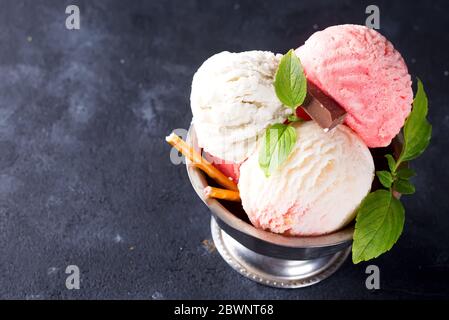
[385,178]
[379,224]
[279,139]
[380,217]
[290,82]
[417,130]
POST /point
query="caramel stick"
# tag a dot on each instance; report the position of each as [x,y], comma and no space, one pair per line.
[217,193]
[201,163]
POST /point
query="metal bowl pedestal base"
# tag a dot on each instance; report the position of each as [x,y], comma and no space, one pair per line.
[275,272]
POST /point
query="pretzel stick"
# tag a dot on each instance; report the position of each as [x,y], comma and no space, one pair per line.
[217,193]
[199,162]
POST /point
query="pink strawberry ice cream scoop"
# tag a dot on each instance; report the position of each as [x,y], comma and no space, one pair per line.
[363,72]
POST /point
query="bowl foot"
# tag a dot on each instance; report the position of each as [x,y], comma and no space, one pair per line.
[275,272]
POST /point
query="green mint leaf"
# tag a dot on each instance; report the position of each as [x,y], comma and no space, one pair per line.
[290,82]
[277,143]
[391,162]
[417,130]
[379,224]
[385,178]
[404,186]
[406,173]
[294,118]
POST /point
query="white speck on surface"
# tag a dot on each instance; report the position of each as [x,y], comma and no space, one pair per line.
[315,27]
[446,73]
[52,270]
[236,6]
[118,239]
[122,61]
[33,297]
[29,38]
[157,296]
[413,60]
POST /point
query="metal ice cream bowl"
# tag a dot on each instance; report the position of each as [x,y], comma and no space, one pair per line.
[268,258]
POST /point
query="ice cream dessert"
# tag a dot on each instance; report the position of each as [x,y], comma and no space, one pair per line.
[355,75]
[363,72]
[233,101]
[344,91]
[318,188]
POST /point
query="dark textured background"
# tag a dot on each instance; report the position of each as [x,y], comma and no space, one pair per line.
[85,176]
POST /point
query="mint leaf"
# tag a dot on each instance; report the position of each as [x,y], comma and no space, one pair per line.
[379,224]
[385,178]
[290,82]
[277,143]
[406,173]
[380,217]
[417,130]
[404,186]
[391,162]
[294,118]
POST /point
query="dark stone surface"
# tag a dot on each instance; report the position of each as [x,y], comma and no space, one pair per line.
[85,176]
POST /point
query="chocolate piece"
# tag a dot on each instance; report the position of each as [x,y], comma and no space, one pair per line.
[322,108]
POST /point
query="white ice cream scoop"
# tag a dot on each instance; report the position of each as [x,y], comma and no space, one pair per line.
[233,101]
[317,190]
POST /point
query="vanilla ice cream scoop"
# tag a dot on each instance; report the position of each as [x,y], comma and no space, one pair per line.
[233,101]
[316,190]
